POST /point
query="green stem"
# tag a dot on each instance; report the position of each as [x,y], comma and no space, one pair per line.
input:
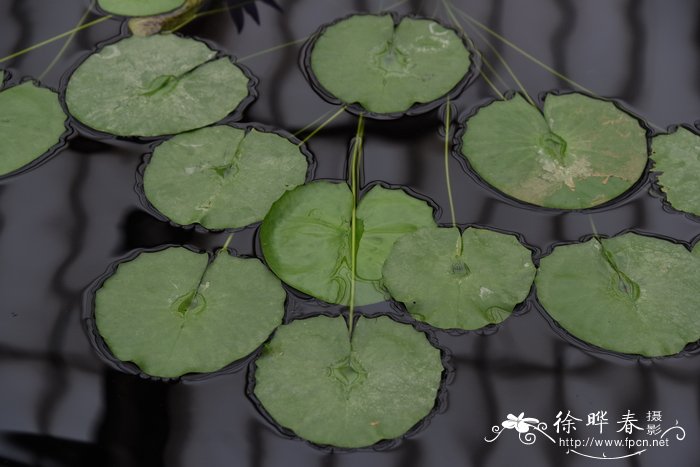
[68,41]
[227,243]
[483,75]
[496,53]
[448,121]
[318,119]
[354,175]
[272,49]
[55,38]
[394,5]
[323,125]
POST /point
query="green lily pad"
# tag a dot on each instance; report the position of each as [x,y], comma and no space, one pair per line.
[155,85]
[630,294]
[387,67]
[579,153]
[173,311]
[306,238]
[677,158]
[459,281]
[31,123]
[222,177]
[139,7]
[329,390]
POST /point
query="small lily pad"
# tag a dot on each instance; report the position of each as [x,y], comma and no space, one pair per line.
[174,311]
[222,177]
[387,67]
[155,85]
[459,281]
[306,238]
[631,294]
[579,153]
[329,390]
[139,7]
[31,123]
[677,158]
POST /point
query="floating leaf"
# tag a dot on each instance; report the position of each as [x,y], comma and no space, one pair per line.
[581,153]
[459,281]
[387,67]
[222,177]
[677,158]
[173,312]
[313,380]
[139,7]
[306,238]
[156,85]
[31,123]
[631,294]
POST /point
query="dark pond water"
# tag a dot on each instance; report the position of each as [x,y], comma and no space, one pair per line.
[64,223]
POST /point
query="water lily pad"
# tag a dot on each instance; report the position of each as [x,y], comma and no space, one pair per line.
[459,281]
[313,380]
[222,177]
[306,238]
[155,85]
[677,158]
[387,67]
[31,123]
[174,312]
[630,294]
[579,153]
[139,7]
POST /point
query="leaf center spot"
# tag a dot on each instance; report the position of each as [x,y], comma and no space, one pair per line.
[624,286]
[190,303]
[391,60]
[349,372]
[226,170]
[554,146]
[161,84]
[460,268]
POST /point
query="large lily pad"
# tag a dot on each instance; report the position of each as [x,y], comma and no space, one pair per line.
[630,294]
[173,312]
[387,67]
[222,177]
[329,390]
[306,238]
[139,7]
[156,85]
[459,281]
[677,158]
[579,153]
[31,123]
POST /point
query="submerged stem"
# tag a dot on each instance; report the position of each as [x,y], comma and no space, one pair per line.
[496,53]
[68,41]
[227,243]
[354,175]
[323,125]
[272,49]
[448,123]
[55,38]
[457,24]
[448,119]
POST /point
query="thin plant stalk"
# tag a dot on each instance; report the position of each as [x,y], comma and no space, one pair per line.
[323,125]
[354,175]
[55,38]
[68,41]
